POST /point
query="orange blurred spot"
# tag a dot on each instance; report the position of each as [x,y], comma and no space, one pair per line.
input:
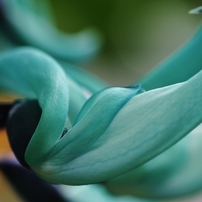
[4,97]
[7,191]
[4,143]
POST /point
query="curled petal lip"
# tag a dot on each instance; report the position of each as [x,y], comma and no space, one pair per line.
[32,64]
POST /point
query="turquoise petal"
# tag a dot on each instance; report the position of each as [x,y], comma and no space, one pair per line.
[197,10]
[37,30]
[90,125]
[34,74]
[179,67]
[174,173]
[105,142]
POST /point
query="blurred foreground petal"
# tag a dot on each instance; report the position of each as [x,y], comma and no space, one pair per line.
[102,144]
[174,173]
[116,130]
[26,21]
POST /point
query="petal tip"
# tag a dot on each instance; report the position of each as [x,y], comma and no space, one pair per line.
[197,10]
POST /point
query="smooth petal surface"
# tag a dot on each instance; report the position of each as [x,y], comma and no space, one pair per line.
[34,74]
[146,125]
[92,193]
[179,67]
[174,173]
[115,131]
[36,29]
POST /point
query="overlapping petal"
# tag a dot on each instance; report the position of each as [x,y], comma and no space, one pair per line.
[145,126]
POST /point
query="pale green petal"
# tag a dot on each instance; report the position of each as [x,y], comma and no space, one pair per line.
[179,67]
[92,193]
[104,144]
[36,30]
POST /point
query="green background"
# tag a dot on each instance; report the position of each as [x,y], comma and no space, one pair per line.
[138,34]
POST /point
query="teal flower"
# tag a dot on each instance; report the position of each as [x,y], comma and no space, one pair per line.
[88,133]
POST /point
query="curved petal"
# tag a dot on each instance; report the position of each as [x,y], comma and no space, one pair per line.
[36,30]
[100,147]
[179,67]
[34,74]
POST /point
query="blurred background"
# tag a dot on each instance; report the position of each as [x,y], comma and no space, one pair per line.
[137,36]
